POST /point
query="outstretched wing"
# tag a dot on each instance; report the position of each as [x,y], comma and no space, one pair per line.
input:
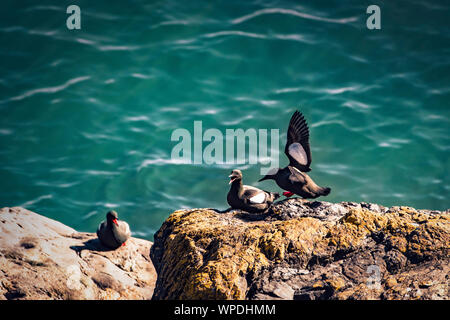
[297,146]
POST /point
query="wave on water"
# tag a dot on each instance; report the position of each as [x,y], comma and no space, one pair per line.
[54,89]
[291,12]
[235,33]
[34,201]
[87,115]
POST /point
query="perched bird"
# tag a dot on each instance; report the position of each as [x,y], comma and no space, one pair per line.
[293,177]
[112,232]
[248,198]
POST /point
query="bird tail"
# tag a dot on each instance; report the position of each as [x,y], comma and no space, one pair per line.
[325,191]
[273,196]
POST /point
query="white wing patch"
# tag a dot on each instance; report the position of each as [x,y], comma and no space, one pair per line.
[294,168]
[124,227]
[298,153]
[259,198]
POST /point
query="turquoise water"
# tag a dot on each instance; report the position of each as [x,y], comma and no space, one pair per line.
[87,115]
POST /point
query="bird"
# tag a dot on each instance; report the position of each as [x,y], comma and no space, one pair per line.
[248,198]
[293,178]
[113,232]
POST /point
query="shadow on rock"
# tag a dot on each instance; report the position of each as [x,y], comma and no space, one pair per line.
[244,215]
[93,245]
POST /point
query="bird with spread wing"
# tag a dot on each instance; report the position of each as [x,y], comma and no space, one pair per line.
[293,178]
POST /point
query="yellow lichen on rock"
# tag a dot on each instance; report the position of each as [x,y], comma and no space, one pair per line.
[204,254]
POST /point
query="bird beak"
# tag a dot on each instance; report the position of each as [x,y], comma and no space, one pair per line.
[231,178]
[263,178]
[115,221]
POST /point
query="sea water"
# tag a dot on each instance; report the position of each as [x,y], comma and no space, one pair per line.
[87,115]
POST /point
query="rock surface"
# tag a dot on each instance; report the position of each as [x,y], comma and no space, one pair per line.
[43,259]
[304,250]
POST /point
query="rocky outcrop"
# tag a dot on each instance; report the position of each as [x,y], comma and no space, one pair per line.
[304,250]
[43,259]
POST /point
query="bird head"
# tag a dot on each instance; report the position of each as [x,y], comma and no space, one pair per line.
[112,216]
[235,175]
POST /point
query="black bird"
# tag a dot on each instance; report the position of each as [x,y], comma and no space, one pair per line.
[248,198]
[293,177]
[113,233]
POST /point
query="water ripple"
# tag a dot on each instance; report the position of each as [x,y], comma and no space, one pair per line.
[292,13]
[57,185]
[159,161]
[118,48]
[394,143]
[101,173]
[137,118]
[357,106]
[45,7]
[47,89]
[6,132]
[90,214]
[294,37]
[141,76]
[341,90]
[34,201]
[235,33]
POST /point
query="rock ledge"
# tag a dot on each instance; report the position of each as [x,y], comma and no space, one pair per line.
[304,250]
[43,259]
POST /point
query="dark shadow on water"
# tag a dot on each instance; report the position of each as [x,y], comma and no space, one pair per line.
[93,245]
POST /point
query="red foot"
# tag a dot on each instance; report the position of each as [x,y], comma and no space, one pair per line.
[288,194]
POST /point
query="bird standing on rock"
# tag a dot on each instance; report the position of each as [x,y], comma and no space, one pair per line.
[293,177]
[113,232]
[248,198]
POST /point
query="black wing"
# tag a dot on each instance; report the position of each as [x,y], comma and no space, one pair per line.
[101,229]
[297,146]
